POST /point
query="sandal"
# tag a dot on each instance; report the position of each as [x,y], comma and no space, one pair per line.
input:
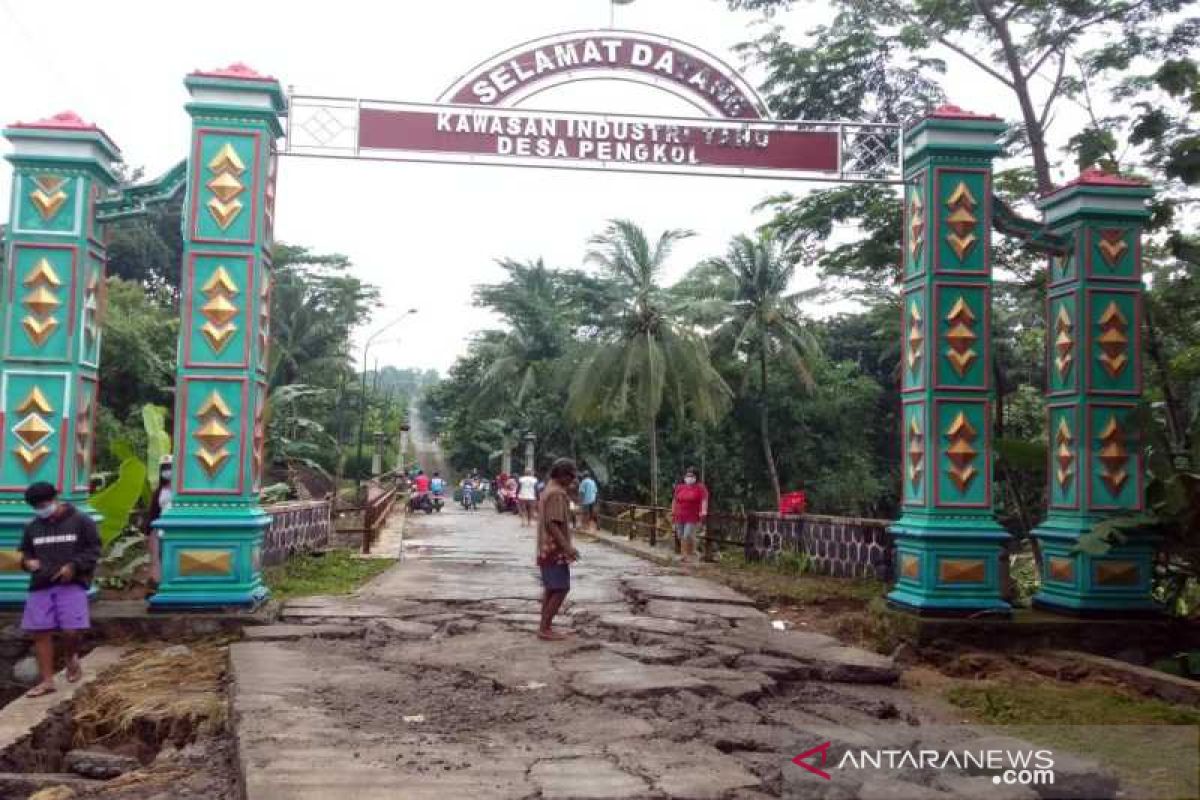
[552,636]
[41,690]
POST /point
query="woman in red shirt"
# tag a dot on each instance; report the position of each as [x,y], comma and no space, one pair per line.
[689,510]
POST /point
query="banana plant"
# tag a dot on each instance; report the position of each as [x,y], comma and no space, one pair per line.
[118,500]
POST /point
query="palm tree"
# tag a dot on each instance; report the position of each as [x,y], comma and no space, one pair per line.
[642,355]
[758,318]
[532,301]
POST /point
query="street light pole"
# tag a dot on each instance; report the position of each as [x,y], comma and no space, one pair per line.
[362,410]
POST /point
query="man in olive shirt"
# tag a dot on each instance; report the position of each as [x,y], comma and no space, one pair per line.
[555,552]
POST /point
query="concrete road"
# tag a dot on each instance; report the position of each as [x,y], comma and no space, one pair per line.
[430,683]
[428,454]
[461,556]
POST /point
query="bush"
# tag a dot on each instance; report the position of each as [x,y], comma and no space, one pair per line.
[357,468]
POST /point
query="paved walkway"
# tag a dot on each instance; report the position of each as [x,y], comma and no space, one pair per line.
[391,538]
[429,683]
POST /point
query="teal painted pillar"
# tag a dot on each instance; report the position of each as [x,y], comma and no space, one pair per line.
[54,264]
[949,546]
[212,534]
[1094,385]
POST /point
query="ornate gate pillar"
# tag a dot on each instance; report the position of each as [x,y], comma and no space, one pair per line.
[1094,384]
[949,547]
[54,286]
[212,534]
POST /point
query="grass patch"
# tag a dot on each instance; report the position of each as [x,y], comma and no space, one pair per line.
[334,572]
[1094,721]
[1053,703]
[788,581]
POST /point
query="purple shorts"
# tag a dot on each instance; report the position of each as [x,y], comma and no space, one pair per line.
[62,608]
[556,578]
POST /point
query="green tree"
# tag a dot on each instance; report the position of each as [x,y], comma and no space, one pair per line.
[759,319]
[644,355]
[148,248]
[535,304]
[137,354]
[316,303]
[1012,44]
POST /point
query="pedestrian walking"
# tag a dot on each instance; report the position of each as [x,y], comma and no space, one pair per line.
[527,496]
[589,495]
[689,510]
[59,549]
[160,501]
[555,550]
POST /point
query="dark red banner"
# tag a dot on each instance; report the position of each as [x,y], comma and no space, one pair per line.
[600,141]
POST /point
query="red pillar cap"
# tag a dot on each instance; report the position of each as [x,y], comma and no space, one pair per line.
[236,71]
[68,121]
[63,120]
[950,111]
[1096,176]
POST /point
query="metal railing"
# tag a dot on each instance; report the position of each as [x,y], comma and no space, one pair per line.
[375,515]
[634,521]
[841,546]
[653,523]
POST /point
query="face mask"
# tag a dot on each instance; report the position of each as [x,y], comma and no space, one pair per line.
[165,474]
[46,511]
[689,480]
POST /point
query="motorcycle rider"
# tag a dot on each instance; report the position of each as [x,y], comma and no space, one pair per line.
[420,497]
[437,488]
[468,494]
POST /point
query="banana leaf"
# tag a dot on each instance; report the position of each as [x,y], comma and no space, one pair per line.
[158,441]
[118,500]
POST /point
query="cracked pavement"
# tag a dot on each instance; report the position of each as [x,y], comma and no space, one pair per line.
[430,683]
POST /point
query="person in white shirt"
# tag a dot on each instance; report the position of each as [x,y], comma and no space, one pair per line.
[527,496]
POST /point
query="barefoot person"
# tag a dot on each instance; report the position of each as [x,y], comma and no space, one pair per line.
[60,548]
[555,552]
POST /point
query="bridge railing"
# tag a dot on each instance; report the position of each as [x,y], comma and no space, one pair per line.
[298,527]
[830,545]
[375,514]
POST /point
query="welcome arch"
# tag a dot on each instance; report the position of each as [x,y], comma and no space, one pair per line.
[520,73]
[948,543]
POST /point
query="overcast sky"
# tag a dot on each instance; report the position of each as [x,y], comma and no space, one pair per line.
[424,233]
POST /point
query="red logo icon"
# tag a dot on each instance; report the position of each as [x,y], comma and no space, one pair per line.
[823,751]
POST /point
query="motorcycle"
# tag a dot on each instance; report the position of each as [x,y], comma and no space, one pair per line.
[506,502]
[421,502]
[469,499]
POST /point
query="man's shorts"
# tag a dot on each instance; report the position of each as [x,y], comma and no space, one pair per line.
[62,608]
[556,578]
[588,508]
[686,530]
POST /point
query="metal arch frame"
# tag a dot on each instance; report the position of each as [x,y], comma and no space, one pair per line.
[735,77]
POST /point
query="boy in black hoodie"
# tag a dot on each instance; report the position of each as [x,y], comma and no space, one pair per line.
[60,548]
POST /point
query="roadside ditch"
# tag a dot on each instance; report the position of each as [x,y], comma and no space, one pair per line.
[153,726]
